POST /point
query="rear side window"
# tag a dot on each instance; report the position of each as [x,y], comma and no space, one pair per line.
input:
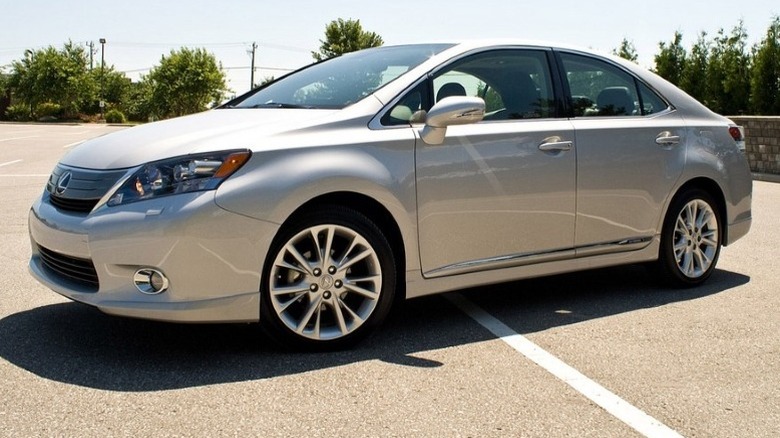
[600,89]
[651,102]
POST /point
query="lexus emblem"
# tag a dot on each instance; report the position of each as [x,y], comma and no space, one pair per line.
[62,183]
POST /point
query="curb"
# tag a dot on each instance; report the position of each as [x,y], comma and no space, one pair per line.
[5,122]
[69,124]
[767,177]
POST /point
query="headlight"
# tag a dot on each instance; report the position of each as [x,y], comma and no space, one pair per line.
[191,173]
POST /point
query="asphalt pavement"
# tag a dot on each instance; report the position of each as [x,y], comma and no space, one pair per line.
[703,362]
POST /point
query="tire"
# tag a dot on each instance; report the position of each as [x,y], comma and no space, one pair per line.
[328,282]
[690,239]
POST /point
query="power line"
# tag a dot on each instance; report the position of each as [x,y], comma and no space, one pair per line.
[283,47]
[19,49]
[258,68]
[233,44]
[142,44]
[136,70]
[4,50]
[242,67]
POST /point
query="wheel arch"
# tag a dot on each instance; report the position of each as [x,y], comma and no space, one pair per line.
[711,187]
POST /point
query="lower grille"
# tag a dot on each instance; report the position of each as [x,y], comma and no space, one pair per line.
[80,272]
[77,205]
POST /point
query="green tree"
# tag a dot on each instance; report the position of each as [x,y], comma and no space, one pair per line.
[5,94]
[51,75]
[137,104]
[694,71]
[765,78]
[728,72]
[344,36]
[186,81]
[107,85]
[670,60]
[114,85]
[266,80]
[626,50]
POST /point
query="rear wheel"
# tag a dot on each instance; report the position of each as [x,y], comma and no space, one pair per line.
[690,240]
[329,280]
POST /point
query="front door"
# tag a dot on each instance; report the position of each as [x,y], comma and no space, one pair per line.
[500,192]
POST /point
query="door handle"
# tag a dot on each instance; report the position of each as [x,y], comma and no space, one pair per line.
[555,146]
[666,138]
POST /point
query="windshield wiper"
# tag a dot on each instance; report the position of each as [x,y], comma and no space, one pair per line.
[279,105]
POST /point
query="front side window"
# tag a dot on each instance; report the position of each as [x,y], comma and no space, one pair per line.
[342,81]
[600,89]
[515,84]
[411,108]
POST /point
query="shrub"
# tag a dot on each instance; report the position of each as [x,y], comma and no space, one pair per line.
[115,116]
[48,110]
[19,112]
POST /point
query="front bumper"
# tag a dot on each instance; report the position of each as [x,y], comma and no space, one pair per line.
[213,258]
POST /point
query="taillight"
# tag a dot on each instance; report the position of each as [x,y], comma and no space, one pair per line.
[738,134]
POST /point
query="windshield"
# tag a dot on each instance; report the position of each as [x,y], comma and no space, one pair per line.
[338,82]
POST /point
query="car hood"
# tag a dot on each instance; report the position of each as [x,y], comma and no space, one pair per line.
[214,130]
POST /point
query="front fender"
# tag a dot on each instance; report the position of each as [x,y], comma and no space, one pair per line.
[274,184]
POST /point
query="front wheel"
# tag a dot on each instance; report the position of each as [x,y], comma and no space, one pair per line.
[329,280]
[690,240]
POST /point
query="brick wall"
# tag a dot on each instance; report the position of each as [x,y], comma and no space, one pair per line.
[762,142]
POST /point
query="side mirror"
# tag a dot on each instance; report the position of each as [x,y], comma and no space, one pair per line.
[453,110]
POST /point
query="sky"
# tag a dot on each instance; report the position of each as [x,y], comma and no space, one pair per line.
[139,32]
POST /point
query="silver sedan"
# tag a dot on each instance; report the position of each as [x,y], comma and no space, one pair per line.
[313,203]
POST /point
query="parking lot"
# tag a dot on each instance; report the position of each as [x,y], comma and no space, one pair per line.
[703,362]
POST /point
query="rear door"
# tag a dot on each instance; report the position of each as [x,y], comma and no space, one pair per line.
[630,154]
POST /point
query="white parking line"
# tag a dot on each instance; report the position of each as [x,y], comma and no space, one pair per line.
[73,144]
[619,408]
[19,138]
[20,132]
[10,162]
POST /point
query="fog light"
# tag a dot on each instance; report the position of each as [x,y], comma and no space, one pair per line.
[150,281]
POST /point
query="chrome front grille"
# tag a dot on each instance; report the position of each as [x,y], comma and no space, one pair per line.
[79,190]
[79,272]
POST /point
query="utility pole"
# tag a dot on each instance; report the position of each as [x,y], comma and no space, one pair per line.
[91,52]
[102,73]
[102,53]
[252,69]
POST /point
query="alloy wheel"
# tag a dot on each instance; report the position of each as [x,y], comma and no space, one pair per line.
[696,238]
[325,282]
